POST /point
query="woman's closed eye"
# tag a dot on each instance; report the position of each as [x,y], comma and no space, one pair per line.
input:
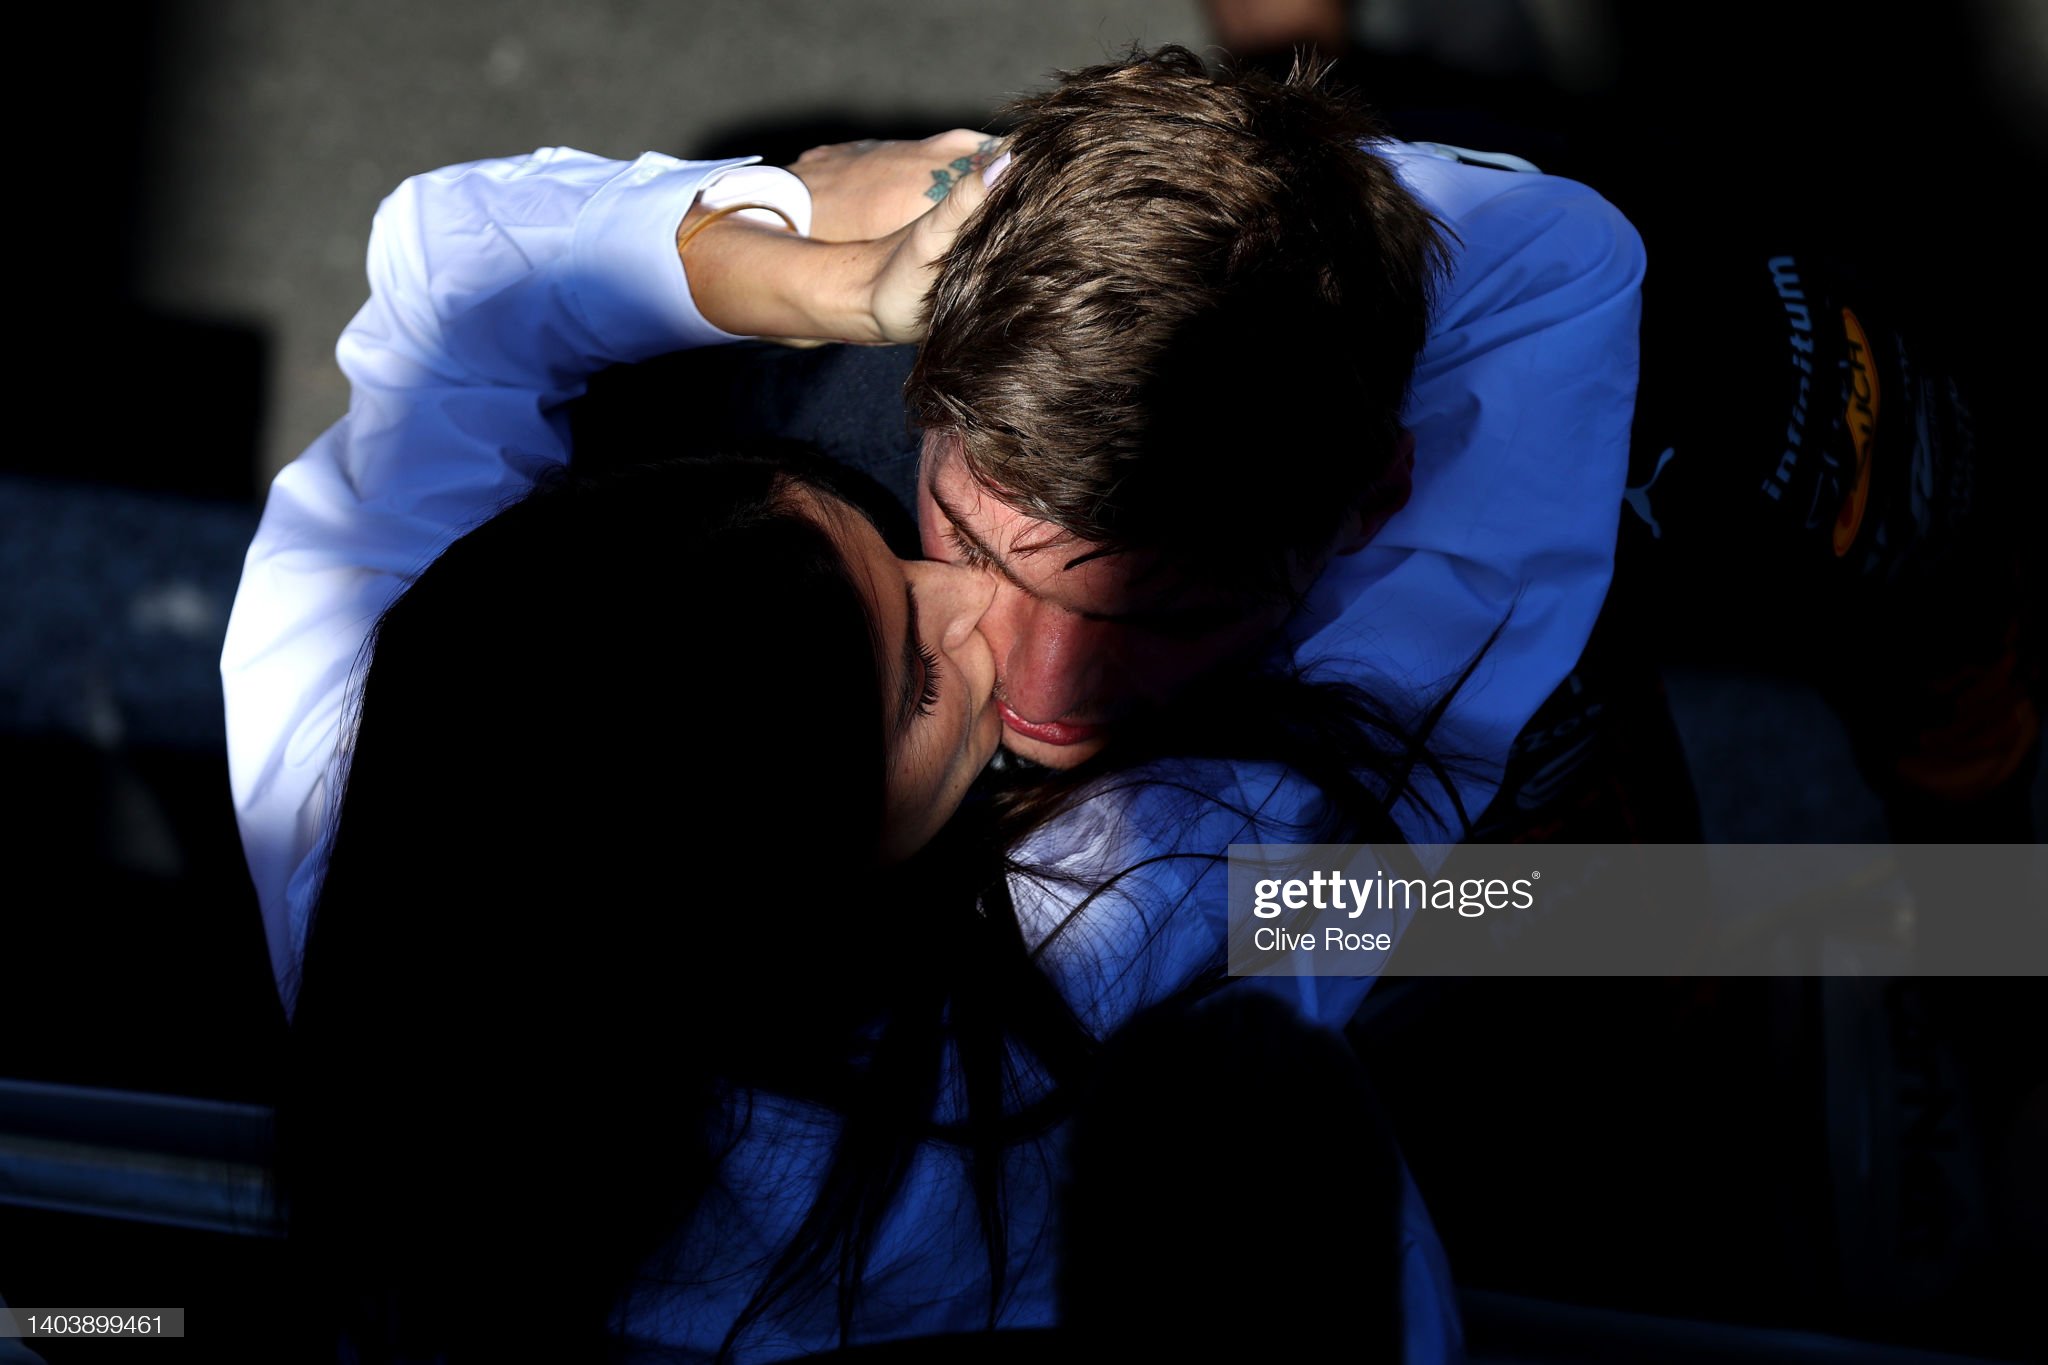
[929,697]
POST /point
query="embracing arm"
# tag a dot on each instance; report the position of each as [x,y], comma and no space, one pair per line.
[1521,410]
[497,289]
[878,235]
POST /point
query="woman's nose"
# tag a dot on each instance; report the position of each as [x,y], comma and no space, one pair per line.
[960,596]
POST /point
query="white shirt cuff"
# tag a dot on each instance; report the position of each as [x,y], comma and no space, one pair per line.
[756,184]
[628,281]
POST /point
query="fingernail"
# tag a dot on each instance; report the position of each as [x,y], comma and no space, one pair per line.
[994,169]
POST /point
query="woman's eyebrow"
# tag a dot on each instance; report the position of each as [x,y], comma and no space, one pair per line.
[912,689]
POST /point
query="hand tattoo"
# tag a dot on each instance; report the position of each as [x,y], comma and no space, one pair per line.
[944,180]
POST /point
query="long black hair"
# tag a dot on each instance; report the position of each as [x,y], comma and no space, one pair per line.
[604,865]
[604,873]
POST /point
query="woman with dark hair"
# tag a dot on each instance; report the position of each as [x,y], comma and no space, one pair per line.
[575,981]
[636,767]
[658,989]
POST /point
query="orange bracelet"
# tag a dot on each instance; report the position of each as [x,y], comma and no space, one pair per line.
[684,238]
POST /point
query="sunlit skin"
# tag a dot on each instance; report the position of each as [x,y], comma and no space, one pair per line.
[1081,641]
[938,707]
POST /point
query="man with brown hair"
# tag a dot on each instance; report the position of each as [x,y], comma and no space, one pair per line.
[1167,253]
[1214,357]
[1211,369]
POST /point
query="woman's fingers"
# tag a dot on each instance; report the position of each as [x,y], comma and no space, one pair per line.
[866,189]
[907,275]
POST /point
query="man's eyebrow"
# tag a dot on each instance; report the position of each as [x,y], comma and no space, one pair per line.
[1100,552]
[1142,616]
[987,551]
[912,690]
[975,542]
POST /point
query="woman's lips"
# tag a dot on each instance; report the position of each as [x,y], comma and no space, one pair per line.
[1047,732]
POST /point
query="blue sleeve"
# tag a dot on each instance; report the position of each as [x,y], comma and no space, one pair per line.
[1521,409]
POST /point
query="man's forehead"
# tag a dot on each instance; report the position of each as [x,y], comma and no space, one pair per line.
[1009,528]
[1014,531]
[1050,561]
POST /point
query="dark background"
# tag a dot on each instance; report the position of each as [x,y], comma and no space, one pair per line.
[195,202]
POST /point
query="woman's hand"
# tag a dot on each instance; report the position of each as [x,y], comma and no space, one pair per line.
[864,190]
[911,264]
[754,280]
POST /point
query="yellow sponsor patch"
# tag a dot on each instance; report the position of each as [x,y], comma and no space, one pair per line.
[1861,417]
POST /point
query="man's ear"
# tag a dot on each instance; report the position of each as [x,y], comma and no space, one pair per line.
[1379,503]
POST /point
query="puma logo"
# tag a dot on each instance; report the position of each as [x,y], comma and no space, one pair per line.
[1639,498]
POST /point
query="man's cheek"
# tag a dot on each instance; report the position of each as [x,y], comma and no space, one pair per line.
[1192,660]
[1153,670]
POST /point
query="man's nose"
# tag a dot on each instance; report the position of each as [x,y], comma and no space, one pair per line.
[1050,661]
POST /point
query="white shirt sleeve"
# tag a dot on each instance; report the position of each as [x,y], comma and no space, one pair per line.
[496,289]
[1521,409]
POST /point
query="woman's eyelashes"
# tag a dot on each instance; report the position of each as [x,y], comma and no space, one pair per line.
[930,696]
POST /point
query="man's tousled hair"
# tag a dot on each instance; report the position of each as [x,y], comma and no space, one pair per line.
[1187,316]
